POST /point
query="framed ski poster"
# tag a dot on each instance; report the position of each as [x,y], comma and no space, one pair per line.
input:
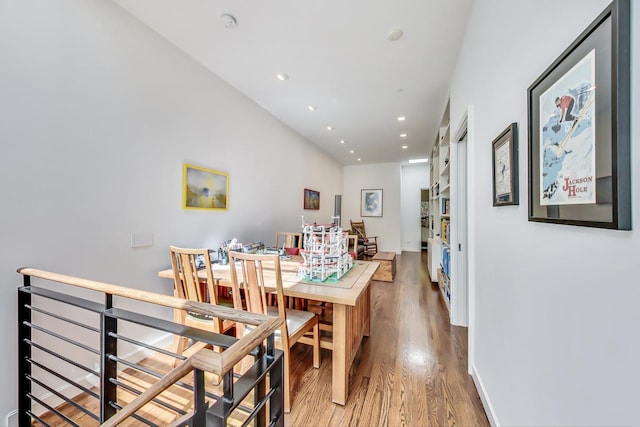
[579,129]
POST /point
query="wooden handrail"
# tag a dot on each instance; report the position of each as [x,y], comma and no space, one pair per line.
[234,354]
[218,311]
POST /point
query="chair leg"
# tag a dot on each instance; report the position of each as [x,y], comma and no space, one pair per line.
[179,343]
[286,392]
[179,346]
[316,344]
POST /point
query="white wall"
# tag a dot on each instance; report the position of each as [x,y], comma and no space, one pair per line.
[385,176]
[556,307]
[97,116]
[414,178]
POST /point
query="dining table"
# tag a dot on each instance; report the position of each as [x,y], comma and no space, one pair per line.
[350,297]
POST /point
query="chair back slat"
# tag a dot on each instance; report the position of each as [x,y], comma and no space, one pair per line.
[254,287]
[288,240]
[190,277]
[185,271]
[254,268]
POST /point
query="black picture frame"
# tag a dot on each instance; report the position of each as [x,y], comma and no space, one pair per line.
[579,158]
[371,203]
[505,167]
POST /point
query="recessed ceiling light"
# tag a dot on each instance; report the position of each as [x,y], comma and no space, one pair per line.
[312,108]
[342,141]
[359,159]
[282,77]
[330,128]
[403,135]
[395,34]
[418,160]
[405,146]
[351,151]
[401,118]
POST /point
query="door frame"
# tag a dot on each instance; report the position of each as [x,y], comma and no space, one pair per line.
[459,219]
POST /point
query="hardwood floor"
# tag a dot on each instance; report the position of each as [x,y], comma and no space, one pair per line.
[412,370]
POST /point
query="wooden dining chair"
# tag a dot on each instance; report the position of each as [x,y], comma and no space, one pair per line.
[288,240]
[254,277]
[354,250]
[292,243]
[187,285]
[370,243]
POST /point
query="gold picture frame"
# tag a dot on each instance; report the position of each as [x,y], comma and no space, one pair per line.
[204,188]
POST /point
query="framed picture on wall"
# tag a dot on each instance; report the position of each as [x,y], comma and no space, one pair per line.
[505,167]
[204,189]
[579,129]
[371,203]
[311,199]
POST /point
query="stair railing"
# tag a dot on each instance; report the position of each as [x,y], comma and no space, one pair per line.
[208,408]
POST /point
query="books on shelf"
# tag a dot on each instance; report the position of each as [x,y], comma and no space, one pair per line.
[446,261]
[444,206]
[444,230]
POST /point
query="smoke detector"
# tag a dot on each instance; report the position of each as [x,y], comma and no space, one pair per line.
[394,34]
[229,21]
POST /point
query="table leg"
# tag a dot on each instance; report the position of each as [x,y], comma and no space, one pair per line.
[350,325]
[366,302]
[340,370]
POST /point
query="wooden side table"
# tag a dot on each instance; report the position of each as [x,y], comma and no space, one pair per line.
[387,270]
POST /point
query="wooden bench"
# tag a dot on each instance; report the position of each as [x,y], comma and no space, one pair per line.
[387,270]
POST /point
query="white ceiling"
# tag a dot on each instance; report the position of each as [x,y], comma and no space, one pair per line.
[339,59]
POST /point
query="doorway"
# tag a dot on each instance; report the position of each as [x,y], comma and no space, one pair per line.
[424,217]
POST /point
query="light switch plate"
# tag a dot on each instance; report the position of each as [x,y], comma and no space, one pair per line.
[141,240]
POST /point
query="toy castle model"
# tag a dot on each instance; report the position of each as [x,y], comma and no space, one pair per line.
[324,252]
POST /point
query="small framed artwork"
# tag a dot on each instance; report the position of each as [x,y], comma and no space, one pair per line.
[505,167]
[579,129]
[204,189]
[311,199]
[371,203]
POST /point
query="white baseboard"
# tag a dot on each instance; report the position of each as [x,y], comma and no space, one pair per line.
[89,381]
[486,402]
